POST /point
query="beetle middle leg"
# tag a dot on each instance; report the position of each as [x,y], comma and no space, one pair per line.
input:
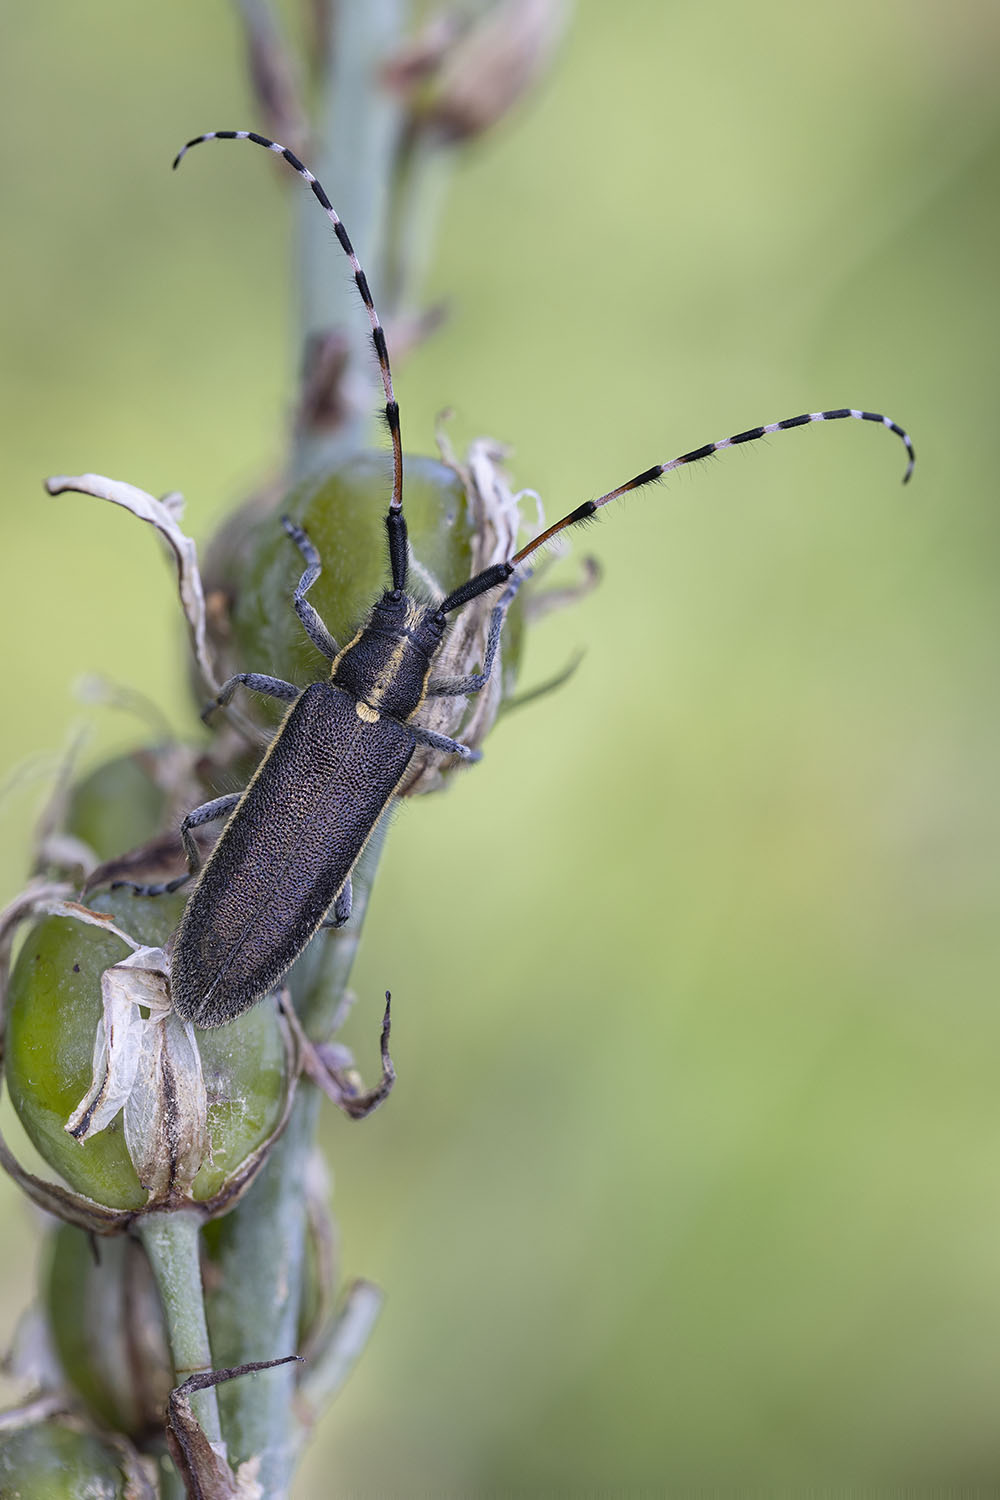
[443,743]
[257,682]
[206,813]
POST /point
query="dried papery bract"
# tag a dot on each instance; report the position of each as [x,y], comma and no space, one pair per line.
[147,1068]
[164,515]
[147,1064]
[462,80]
[495,520]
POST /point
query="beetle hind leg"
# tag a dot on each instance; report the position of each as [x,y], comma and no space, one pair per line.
[332,1069]
[219,807]
[341,906]
[359,1106]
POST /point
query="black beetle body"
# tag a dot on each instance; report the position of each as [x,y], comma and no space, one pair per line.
[293,837]
[288,849]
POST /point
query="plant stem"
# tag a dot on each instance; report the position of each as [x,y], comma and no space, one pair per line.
[259,1255]
[172,1245]
[259,1250]
[357,136]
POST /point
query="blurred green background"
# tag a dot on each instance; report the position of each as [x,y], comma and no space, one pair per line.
[692,1176]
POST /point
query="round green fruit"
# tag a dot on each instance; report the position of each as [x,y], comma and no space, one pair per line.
[255,567]
[54,1005]
[106,1322]
[54,1461]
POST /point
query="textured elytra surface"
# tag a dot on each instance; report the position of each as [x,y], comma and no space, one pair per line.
[285,852]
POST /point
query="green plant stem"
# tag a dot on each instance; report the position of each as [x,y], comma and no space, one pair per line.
[171,1242]
[260,1259]
[422,175]
[356,141]
[259,1250]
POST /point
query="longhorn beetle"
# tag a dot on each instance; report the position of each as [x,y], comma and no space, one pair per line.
[292,838]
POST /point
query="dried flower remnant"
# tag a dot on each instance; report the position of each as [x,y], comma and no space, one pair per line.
[120,1097]
[460,81]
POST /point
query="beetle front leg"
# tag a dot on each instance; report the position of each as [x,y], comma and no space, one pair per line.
[309,618]
[257,682]
[206,813]
[454,687]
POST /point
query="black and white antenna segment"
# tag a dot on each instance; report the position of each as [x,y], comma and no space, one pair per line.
[502,571]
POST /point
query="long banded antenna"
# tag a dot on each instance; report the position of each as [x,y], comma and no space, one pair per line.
[378,333]
[649,476]
[493,576]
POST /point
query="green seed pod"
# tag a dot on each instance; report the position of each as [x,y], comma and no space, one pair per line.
[344,515]
[54,1006]
[454,549]
[223,1101]
[460,519]
[121,803]
[106,1324]
[60,1460]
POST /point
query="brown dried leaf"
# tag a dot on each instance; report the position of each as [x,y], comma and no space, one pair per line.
[493,65]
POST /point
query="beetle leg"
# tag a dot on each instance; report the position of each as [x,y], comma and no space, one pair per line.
[357,1106]
[206,813]
[442,742]
[310,618]
[341,906]
[330,1067]
[257,682]
[454,687]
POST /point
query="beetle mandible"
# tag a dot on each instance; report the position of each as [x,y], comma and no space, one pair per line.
[292,838]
